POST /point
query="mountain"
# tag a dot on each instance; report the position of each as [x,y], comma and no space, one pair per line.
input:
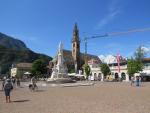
[10,42]
[15,51]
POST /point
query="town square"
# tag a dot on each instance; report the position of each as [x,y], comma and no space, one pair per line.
[103,97]
[72,56]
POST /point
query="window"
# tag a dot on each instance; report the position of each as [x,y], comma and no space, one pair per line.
[78,46]
[73,44]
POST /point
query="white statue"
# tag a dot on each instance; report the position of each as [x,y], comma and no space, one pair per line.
[59,69]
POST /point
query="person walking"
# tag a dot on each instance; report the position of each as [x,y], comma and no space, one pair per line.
[13,81]
[18,82]
[32,85]
[132,80]
[137,81]
[3,83]
[140,80]
[7,89]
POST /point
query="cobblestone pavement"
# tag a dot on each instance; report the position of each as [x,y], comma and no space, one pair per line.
[103,97]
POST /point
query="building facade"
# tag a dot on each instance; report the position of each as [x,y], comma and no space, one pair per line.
[96,73]
[146,70]
[19,70]
[119,73]
[122,72]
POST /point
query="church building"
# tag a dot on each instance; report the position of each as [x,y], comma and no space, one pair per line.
[74,59]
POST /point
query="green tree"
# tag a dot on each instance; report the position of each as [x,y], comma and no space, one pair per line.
[105,69]
[87,70]
[38,68]
[134,66]
[139,53]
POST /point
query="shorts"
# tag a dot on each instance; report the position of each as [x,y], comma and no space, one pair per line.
[7,92]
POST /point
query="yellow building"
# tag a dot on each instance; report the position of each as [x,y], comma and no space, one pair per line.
[19,69]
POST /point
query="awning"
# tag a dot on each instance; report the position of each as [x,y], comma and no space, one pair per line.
[137,74]
[27,73]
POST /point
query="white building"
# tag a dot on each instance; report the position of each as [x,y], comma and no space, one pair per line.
[118,67]
[146,70]
[96,73]
[119,70]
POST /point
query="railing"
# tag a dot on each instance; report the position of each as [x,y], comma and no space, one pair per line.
[116,67]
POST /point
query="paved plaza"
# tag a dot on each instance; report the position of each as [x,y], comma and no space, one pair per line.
[102,97]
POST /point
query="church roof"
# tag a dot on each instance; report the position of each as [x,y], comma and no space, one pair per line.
[68,56]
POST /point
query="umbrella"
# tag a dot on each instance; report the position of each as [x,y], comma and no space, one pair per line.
[27,73]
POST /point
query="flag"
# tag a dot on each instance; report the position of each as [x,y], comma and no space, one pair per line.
[118,61]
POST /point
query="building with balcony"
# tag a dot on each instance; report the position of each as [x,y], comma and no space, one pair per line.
[117,65]
[120,71]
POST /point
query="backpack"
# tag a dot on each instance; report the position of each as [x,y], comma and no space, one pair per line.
[8,86]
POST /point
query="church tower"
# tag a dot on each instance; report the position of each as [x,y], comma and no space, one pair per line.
[76,48]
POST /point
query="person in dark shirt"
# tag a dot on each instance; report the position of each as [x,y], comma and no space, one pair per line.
[7,88]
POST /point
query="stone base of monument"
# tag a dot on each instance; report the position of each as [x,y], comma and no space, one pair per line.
[78,84]
[60,80]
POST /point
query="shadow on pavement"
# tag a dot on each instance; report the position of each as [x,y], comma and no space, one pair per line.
[21,87]
[40,90]
[21,101]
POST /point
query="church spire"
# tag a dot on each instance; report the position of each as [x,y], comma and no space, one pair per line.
[76,48]
[75,33]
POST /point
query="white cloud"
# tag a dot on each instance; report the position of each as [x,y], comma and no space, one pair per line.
[108,59]
[108,18]
[102,58]
[113,11]
[145,49]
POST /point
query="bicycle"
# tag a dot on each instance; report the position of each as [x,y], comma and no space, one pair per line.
[33,87]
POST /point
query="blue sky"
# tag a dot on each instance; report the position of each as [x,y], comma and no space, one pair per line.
[42,24]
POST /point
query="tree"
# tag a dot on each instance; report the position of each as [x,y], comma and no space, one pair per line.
[139,53]
[87,70]
[134,66]
[38,68]
[105,69]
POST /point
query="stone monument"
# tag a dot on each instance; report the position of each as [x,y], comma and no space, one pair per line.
[59,71]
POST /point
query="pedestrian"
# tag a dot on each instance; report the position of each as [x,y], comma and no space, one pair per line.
[3,82]
[137,81]
[8,88]
[18,82]
[140,80]
[14,81]
[132,80]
